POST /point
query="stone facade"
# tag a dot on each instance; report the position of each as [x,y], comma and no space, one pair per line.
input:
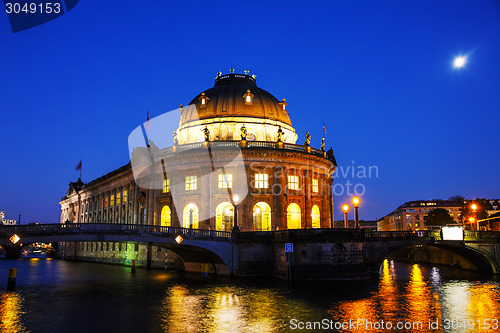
[283,185]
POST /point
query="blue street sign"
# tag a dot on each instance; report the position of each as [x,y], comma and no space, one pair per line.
[288,247]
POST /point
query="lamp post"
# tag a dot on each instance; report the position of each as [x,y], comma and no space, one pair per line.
[356,201]
[235,224]
[346,221]
[474,208]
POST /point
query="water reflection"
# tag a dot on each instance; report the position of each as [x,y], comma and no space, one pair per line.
[10,313]
[159,301]
[230,309]
[422,303]
[419,299]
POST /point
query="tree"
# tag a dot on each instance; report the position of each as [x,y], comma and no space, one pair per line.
[457,198]
[438,217]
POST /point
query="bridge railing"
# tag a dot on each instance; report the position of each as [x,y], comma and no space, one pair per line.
[112,228]
[476,235]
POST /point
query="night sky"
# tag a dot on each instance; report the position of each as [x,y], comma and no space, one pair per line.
[377,73]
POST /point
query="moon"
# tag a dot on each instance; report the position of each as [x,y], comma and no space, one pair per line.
[459,62]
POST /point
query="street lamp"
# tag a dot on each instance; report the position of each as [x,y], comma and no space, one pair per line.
[356,201]
[346,221]
[474,208]
[235,222]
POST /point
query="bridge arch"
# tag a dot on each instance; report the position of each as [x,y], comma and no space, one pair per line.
[477,259]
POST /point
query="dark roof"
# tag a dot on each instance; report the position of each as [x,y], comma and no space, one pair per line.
[225,99]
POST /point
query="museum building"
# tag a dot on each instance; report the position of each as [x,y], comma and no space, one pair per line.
[234,148]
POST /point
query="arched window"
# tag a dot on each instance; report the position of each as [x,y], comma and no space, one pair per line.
[224,217]
[261,217]
[190,216]
[293,218]
[315,217]
[165,216]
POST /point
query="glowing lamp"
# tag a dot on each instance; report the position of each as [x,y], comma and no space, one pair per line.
[355,201]
[179,239]
[345,208]
[473,206]
[236,198]
[15,238]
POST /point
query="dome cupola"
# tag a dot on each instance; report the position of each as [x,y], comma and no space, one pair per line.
[234,101]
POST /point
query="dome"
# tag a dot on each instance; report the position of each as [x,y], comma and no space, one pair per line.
[226,98]
[234,101]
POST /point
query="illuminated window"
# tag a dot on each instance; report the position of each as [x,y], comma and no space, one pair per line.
[112,200]
[315,186]
[166,185]
[118,195]
[203,100]
[106,202]
[261,180]
[226,180]
[248,98]
[191,183]
[283,105]
[166,216]
[100,203]
[124,196]
[293,182]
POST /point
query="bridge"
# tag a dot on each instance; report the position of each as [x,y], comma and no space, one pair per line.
[317,253]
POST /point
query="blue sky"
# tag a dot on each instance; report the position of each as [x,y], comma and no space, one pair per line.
[377,73]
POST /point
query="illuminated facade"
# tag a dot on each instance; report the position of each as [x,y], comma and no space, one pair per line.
[288,184]
[410,215]
[5,221]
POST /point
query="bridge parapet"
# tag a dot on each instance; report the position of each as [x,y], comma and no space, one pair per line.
[110,228]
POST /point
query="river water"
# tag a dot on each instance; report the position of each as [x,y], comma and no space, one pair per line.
[62,296]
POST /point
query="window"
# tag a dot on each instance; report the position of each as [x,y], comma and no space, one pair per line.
[124,196]
[248,97]
[190,183]
[112,200]
[118,198]
[283,104]
[293,182]
[203,100]
[261,180]
[315,186]
[166,185]
[106,202]
[226,180]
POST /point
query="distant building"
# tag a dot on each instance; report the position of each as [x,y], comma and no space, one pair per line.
[410,215]
[5,221]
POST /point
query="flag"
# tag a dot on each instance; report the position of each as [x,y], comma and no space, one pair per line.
[147,122]
[79,166]
[324,128]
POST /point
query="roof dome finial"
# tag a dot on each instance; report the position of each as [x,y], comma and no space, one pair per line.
[232,70]
[246,72]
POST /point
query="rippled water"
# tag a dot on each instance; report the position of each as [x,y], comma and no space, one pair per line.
[61,296]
